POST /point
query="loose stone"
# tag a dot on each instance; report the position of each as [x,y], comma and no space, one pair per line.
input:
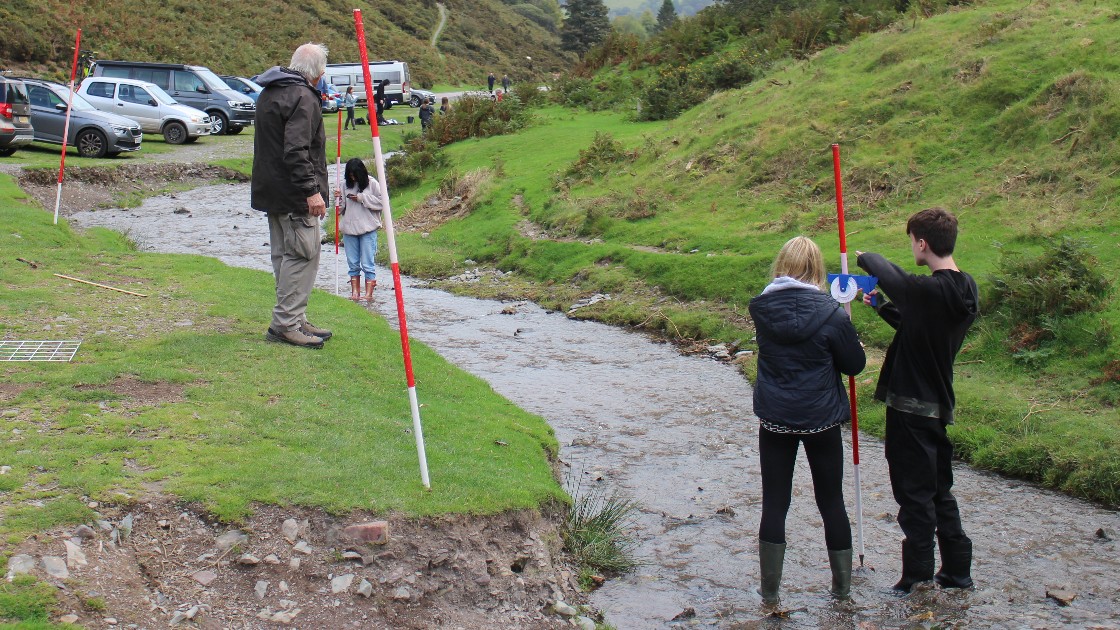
[271,559]
[231,539]
[342,583]
[261,588]
[68,619]
[20,565]
[302,547]
[561,608]
[248,560]
[290,530]
[376,533]
[85,532]
[55,567]
[74,556]
[205,577]
[365,589]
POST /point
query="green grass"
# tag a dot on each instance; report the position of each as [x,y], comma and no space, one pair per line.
[258,422]
[972,110]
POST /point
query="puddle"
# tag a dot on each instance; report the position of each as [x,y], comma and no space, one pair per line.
[677,434]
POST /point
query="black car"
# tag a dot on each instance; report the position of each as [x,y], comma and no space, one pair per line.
[15,116]
[93,133]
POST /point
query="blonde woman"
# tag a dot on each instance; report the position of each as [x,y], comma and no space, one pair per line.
[805,343]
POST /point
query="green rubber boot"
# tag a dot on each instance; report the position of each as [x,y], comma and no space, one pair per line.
[771,557]
[841,563]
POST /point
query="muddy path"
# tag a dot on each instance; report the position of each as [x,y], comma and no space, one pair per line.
[677,434]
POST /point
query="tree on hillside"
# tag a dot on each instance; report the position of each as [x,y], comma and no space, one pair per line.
[586,25]
[667,16]
[630,24]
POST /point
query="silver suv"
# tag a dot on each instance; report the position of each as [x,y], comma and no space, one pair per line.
[148,105]
[93,133]
[15,116]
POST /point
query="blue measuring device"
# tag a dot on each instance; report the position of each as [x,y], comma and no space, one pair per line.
[845,286]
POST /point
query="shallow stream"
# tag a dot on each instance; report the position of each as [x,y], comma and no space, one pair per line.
[676,433]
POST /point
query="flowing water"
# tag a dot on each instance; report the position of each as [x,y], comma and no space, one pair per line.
[676,433]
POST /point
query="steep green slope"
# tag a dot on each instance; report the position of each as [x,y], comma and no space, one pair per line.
[1003,112]
[246,37]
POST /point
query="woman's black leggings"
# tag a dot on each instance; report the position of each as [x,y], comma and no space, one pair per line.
[349,119]
[778,453]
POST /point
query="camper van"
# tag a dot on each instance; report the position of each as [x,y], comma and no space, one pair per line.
[344,75]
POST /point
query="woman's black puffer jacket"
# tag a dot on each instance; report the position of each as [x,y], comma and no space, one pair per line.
[805,341]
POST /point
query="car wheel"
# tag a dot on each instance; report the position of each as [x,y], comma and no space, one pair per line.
[6,152]
[91,143]
[234,130]
[218,123]
[415,101]
[175,133]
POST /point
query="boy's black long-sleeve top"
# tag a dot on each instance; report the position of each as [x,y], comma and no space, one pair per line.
[931,315]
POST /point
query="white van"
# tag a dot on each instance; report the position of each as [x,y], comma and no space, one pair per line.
[148,105]
[344,75]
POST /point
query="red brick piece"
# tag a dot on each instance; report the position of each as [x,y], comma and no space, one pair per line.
[376,533]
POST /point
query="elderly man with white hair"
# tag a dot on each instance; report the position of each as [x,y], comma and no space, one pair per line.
[290,186]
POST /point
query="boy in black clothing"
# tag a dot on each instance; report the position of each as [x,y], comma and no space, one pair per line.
[930,315]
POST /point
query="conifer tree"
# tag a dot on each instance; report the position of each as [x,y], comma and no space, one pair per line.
[666,16]
[587,25]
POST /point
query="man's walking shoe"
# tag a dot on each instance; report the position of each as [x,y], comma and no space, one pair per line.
[956,563]
[295,338]
[917,566]
[312,330]
[841,563]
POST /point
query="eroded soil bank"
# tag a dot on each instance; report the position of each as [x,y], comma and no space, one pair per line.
[677,434]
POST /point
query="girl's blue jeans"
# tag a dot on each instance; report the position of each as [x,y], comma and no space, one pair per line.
[360,252]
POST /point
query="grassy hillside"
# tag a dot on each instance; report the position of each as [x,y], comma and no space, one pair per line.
[245,38]
[1002,112]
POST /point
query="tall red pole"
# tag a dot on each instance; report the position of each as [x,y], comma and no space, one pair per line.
[338,195]
[66,125]
[390,235]
[851,379]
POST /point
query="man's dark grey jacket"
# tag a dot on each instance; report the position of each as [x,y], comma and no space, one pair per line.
[289,148]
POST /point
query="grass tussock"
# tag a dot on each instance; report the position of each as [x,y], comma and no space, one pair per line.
[595,530]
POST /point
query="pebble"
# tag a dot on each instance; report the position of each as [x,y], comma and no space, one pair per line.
[55,567]
[248,560]
[293,563]
[112,621]
[204,577]
[126,526]
[231,539]
[272,559]
[365,589]
[20,565]
[283,586]
[584,623]
[402,594]
[5,470]
[85,532]
[68,619]
[261,588]
[342,583]
[561,608]
[302,547]
[74,556]
[290,530]
[1064,598]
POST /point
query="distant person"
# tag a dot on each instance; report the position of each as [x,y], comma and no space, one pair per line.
[427,112]
[361,219]
[289,183]
[380,101]
[805,342]
[931,315]
[490,82]
[348,101]
[498,96]
[505,82]
[444,106]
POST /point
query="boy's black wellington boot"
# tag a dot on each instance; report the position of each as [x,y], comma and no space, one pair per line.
[841,563]
[956,563]
[917,566]
[771,558]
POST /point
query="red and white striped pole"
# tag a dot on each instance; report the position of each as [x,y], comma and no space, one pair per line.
[390,235]
[337,196]
[66,126]
[851,379]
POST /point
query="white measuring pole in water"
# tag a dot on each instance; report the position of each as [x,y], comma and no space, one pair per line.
[66,126]
[390,236]
[851,379]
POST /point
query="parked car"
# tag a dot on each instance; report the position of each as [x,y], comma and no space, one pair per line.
[243,85]
[328,95]
[15,116]
[417,97]
[230,111]
[147,104]
[92,132]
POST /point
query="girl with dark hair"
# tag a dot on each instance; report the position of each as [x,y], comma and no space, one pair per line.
[361,218]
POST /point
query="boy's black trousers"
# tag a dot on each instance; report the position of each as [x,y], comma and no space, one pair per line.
[920,459]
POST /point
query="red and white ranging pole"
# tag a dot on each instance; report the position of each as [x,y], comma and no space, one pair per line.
[851,379]
[337,196]
[66,126]
[390,235]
